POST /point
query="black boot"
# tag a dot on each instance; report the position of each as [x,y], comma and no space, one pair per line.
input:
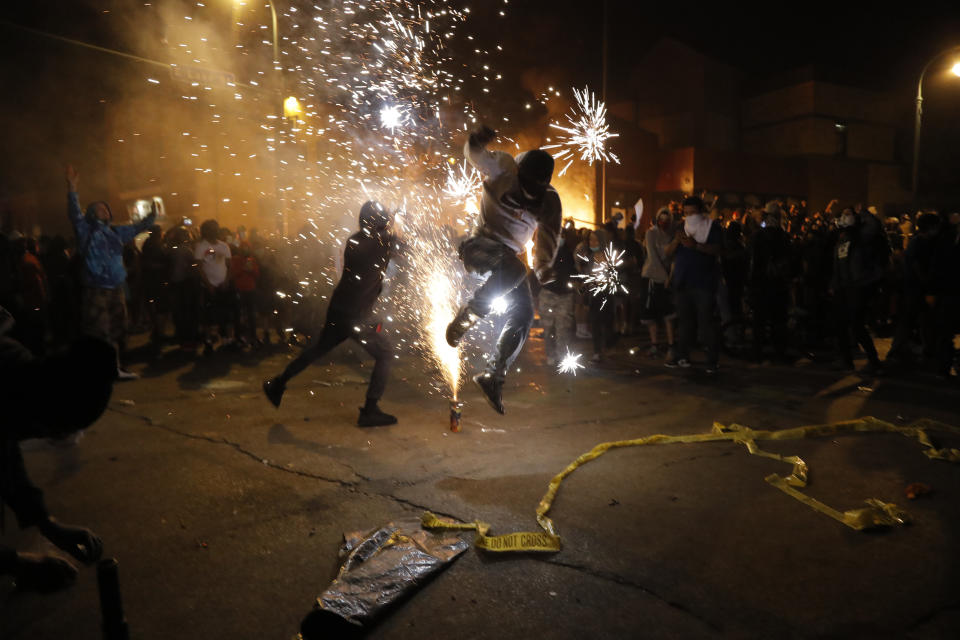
[274,391]
[372,416]
[492,389]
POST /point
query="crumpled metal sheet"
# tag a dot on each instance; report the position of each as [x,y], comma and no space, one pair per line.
[384,564]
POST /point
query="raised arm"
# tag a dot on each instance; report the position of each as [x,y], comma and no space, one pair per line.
[74,212]
[128,232]
[489,163]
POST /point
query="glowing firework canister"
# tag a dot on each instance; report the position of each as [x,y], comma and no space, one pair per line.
[456,408]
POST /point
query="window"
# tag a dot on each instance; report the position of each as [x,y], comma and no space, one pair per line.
[841,138]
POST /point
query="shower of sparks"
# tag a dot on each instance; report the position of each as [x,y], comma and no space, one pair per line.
[463,183]
[570,363]
[382,103]
[587,133]
[604,279]
[440,310]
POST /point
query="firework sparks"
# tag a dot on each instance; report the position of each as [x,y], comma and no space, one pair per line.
[604,278]
[587,133]
[393,117]
[463,183]
[570,363]
[372,79]
[441,308]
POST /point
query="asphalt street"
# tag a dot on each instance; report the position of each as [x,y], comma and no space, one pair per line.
[226,514]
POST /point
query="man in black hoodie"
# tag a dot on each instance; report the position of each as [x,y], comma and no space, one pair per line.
[857,270]
[48,398]
[365,259]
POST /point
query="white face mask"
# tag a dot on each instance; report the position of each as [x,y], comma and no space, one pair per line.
[697,226]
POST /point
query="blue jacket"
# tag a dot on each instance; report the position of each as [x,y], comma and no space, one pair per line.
[100,244]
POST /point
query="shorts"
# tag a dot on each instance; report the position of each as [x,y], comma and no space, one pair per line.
[104,314]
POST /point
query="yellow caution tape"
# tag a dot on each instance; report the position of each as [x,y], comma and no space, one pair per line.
[520,541]
[876,513]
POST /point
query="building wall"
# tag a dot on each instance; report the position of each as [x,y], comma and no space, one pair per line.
[871,141]
[887,188]
[739,172]
[778,106]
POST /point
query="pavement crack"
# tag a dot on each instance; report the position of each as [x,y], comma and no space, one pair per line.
[352,486]
[618,579]
[241,449]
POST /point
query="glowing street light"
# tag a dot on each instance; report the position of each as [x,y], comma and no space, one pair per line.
[292,108]
[919,114]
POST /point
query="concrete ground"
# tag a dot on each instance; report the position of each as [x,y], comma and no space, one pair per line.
[226,514]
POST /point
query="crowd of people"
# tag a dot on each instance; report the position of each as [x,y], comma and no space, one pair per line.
[202,286]
[772,283]
[764,283]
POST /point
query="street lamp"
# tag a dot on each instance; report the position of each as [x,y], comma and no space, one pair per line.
[916,129]
[283,110]
[273,17]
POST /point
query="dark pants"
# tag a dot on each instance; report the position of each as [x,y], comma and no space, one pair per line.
[601,318]
[697,309]
[219,309]
[185,297]
[508,279]
[770,306]
[850,309]
[335,331]
[946,313]
[913,315]
[248,315]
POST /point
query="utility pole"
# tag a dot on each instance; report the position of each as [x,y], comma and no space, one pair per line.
[603,97]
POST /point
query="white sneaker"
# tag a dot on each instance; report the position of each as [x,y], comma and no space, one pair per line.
[123,374]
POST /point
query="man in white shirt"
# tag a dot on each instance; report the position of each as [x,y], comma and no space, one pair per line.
[213,256]
[517,202]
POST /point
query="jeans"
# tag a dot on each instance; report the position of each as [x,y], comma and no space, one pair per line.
[336,330]
[556,314]
[697,309]
[507,280]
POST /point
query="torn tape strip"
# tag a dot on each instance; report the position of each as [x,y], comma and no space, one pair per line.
[519,541]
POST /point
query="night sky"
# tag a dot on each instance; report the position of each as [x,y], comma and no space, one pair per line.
[561,40]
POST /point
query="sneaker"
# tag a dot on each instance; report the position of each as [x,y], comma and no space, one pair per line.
[464,319]
[711,368]
[123,374]
[492,390]
[374,417]
[274,389]
[674,363]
